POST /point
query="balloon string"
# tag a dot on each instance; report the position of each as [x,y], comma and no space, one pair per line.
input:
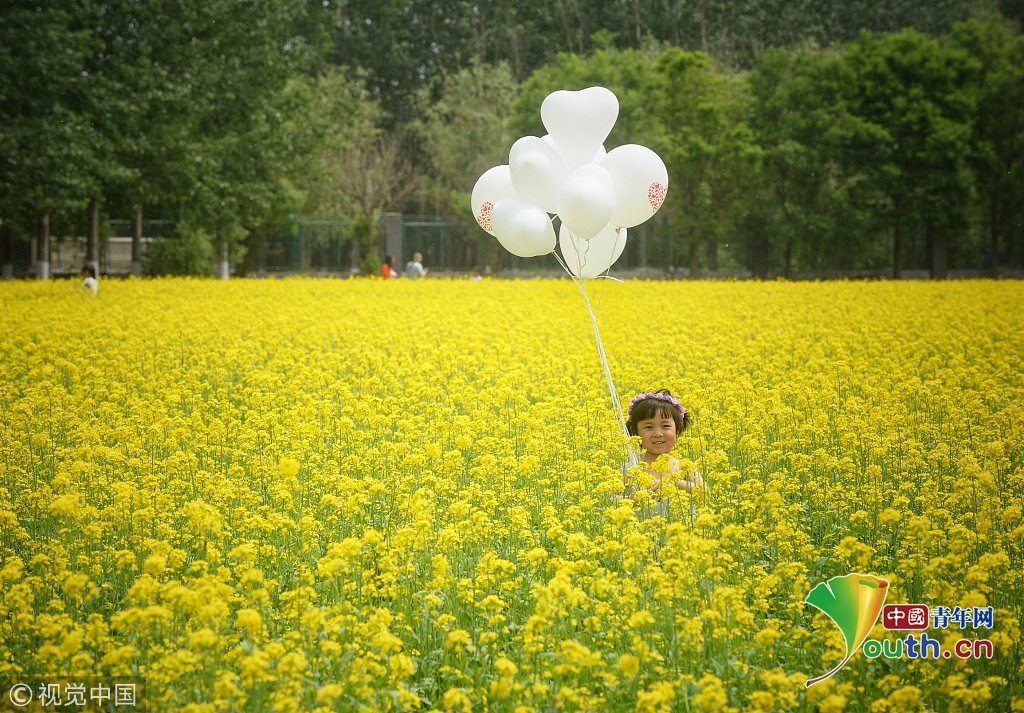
[604,361]
[600,299]
[600,351]
[586,251]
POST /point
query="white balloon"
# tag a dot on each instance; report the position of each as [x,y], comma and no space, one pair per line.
[537,171]
[490,189]
[600,154]
[641,182]
[587,259]
[579,122]
[586,200]
[522,228]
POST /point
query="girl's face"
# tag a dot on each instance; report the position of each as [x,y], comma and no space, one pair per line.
[657,434]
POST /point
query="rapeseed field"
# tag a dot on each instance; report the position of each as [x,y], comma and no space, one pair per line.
[326,495]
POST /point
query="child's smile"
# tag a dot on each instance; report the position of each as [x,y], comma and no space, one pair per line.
[657,435]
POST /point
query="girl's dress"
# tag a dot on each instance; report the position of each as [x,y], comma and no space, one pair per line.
[655,507]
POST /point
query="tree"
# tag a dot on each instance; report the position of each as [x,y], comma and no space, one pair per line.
[401,46]
[799,119]
[915,108]
[465,132]
[49,148]
[462,134]
[629,74]
[998,139]
[708,148]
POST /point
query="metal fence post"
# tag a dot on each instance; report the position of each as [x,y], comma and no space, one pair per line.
[394,236]
[92,244]
[137,242]
[43,253]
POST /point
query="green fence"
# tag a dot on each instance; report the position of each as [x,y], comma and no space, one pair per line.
[445,243]
[313,245]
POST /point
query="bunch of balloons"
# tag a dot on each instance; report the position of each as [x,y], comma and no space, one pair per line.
[597,195]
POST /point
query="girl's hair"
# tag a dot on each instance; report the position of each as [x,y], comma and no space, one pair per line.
[652,408]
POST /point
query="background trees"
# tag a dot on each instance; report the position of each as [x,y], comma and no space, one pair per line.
[997,141]
[872,135]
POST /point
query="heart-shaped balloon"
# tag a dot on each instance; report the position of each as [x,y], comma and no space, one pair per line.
[522,228]
[579,122]
[641,183]
[586,200]
[490,189]
[598,156]
[537,171]
[587,259]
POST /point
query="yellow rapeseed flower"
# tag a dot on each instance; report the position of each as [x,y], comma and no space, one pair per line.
[264,493]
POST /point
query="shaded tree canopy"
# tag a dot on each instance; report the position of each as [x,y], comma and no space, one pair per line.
[797,135]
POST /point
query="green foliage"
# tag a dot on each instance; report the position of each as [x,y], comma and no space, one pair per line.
[629,74]
[179,107]
[914,102]
[465,132]
[233,117]
[329,115]
[710,151]
[363,231]
[800,120]
[188,252]
[997,154]
[49,148]
[403,45]
[461,135]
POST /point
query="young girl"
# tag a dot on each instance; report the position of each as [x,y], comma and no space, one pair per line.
[89,281]
[658,418]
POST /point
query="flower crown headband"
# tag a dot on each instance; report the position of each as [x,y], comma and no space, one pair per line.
[651,395]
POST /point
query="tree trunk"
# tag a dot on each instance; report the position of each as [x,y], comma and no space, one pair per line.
[994,268]
[224,268]
[354,258]
[713,255]
[788,257]
[6,252]
[911,258]
[938,251]
[92,241]
[43,251]
[897,256]
[693,260]
[137,242]
[636,19]
[391,223]
[642,248]
[759,253]
[255,252]
[565,24]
